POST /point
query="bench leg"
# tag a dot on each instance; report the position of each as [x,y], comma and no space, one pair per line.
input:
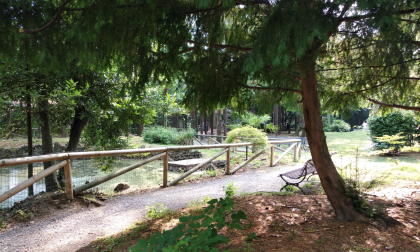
[297,185]
[310,176]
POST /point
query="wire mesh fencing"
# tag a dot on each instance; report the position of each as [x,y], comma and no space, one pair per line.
[87,170]
[149,175]
[11,176]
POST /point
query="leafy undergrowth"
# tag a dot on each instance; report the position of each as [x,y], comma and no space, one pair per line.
[294,223]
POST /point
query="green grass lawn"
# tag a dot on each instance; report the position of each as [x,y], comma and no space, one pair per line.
[349,143]
[390,170]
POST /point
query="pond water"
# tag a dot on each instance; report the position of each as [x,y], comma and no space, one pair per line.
[149,175]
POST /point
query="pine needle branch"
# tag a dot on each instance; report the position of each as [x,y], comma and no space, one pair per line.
[273,88]
[56,16]
[371,15]
[221,46]
[393,105]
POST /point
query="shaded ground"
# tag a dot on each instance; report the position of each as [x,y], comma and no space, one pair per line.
[296,223]
[74,226]
[282,223]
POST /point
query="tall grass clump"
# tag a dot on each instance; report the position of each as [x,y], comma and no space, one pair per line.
[162,135]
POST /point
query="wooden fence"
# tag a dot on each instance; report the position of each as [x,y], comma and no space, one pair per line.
[65,161]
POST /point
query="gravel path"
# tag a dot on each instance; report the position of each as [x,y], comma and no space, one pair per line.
[75,229]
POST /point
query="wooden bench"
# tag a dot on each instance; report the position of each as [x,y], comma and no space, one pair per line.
[300,174]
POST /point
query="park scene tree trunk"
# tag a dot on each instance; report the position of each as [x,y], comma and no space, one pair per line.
[330,179]
[51,182]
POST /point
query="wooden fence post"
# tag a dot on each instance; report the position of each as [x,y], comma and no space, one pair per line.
[228,161]
[272,155]
[68,178]
[165,169]
[246,152]
[300,149]
[295,152]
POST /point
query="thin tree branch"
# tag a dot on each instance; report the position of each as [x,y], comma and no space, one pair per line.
[364,90]
[62,9]
[396,78]
[59,11]
[273,88]
[344,10]
[409,21]
[393,105]
[352,68]
[163,55]
[221,46]
[361,17]
[253,2]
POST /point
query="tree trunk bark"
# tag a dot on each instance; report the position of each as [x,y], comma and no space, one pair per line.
[193,122]
[219,125]
[139,129]
[330,179]
[201,124]
[63,132]
[165,92]
[224,122]
[280,114]
[8,116]
[205,125]
[302,120]
[80,120]
[276,116]
[51,182]
[30,145]
[211,123]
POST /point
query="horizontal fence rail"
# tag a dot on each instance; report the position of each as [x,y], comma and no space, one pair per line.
[66,158]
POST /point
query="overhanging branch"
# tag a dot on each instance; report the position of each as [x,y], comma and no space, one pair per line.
[353,68]
[361,17]
[393,105]
[221,46]
[367,89]
[59,11]
[273,88]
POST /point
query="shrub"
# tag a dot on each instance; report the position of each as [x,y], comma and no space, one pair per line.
[202,233]
[248,134]
[391,125]
[158,211]
[230,190]
[338,126]
[162,135]
[394,142]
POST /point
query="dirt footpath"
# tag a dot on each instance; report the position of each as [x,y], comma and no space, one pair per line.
[73,229]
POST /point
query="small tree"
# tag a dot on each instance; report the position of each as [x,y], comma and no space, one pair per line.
[391,144]
[391,124]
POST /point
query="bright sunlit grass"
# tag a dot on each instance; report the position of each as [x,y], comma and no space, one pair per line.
[347,143]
